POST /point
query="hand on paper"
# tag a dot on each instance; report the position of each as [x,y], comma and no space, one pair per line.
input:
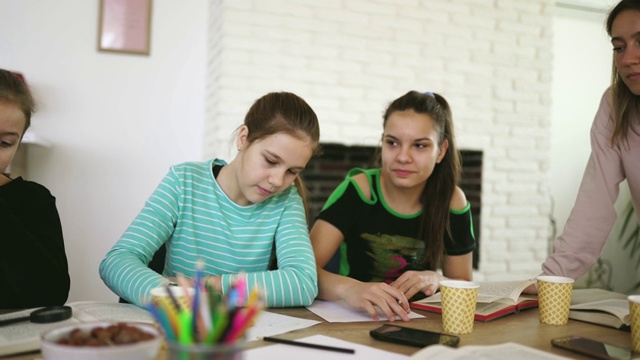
[368,296]
[412,282]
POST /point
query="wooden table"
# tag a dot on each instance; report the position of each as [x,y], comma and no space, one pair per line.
[522,328]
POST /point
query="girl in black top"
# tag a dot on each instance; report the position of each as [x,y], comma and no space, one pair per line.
[33,263]
[397,225]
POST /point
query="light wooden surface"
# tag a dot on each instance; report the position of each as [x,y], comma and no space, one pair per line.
[523,328]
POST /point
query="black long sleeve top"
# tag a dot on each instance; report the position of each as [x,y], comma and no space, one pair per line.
[33,264]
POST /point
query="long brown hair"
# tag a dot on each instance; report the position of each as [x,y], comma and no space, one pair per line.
[284,112]
[624,103]
[438,190]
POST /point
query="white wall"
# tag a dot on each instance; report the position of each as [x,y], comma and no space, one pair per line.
[114,122]
[581,72]
[492,60]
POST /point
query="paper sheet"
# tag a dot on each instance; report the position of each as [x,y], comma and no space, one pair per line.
[269,324]
[338,311]
[505,351]
[290,352]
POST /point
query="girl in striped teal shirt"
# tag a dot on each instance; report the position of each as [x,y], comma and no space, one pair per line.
[232,215]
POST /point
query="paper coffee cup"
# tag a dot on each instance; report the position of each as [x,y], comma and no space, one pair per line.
[458,305]
[554,299]
[634,311]
[161,298]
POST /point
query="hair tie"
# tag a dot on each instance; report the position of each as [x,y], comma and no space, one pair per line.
[430,94]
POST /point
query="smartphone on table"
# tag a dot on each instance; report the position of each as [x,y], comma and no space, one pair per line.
[593,348]
[414,337]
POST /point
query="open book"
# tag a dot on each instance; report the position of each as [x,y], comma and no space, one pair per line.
[600,307]
[495,299]
[25,336]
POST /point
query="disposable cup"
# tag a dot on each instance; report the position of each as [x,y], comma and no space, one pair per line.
[458,305]
[554,299]
[634,311]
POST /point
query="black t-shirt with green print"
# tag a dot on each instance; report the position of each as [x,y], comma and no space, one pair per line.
[380,244]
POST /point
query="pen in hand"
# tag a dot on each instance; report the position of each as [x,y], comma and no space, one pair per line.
[309,345]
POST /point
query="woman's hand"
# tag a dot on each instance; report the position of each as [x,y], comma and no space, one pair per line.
[412,282]
[368,296]
[531,289]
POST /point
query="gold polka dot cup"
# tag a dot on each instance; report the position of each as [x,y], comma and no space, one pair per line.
[634,311]
[160,297]
[458,305]
[554,299]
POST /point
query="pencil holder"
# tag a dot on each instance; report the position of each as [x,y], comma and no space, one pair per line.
[208,324]
[176,351]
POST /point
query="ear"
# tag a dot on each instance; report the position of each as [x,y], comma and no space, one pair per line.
[241,139]
[444,146]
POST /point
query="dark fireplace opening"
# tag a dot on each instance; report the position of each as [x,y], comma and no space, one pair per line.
[323,174]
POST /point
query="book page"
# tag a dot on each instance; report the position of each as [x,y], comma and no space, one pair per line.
[25,336]
[616,307]
[582,296]
[86,311]
[491,291]
[492,307]
[598,317]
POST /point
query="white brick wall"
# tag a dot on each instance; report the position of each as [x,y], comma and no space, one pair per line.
[349,59]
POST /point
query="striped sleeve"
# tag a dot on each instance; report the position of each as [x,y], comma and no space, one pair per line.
[295,282]
[124,269]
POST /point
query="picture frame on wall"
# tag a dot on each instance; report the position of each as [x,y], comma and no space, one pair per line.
[125,26]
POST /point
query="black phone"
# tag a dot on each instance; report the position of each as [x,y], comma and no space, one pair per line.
[593,348]
[414,337]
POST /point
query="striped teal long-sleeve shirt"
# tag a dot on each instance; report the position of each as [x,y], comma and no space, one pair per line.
[191,214]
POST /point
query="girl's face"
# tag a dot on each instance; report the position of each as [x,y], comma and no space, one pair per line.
[410,149]
[625,38]
[12,124]
[269,165]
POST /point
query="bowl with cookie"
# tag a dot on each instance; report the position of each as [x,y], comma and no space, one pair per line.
[103,340]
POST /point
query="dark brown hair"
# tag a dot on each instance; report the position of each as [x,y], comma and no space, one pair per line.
[439,188]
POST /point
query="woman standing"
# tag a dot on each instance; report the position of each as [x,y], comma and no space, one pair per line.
[615,153]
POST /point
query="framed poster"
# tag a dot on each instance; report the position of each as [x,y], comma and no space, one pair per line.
[125,26]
